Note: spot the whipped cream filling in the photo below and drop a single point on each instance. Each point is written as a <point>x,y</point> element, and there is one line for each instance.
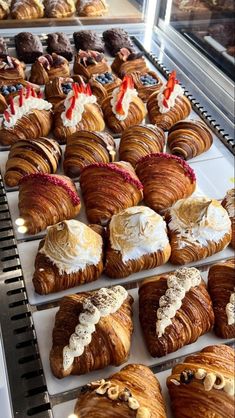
<point>137,231</point>
<point>81,101</point>
<point>177,285</point>
<point>127,99</point>
<point>177,92</point>
<point>72,246</point>
<point>230,310</point>
<point>101,303</point>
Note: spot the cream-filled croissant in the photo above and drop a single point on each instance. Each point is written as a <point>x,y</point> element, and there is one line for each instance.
<point>175,309</point>
<point>47,67</point>
<point>137,241</point>
<point>229,204</point>
<point>198,228</point>
<point>92,330</point>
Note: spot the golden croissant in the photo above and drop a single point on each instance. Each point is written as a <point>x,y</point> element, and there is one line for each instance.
<point>221,285</point>
<point>103,88</point>
<point>198,228</point>
<point>229,204</point>
<point>11,69</point>
<point>92,330</point>
<point>134,391</point>
<point>46,199</point>
<point>57,89</point>
<point>166,179</point>
<point>109,188</point>
<point>84,148</point>
<point>4,9</point>
<point>47,67</point>
<point>140,140</point>
<point>146,83</point>
<point>203,385</point>
<point>169,307</point>
<point>87,63</point>
<point>92,8</point>
<point>127,62</point>
<point>27,9</point>
<point>59,8</point>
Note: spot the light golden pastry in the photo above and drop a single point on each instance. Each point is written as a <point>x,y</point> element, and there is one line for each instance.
<point>56,90</point>
<point>126,62</point>
<point>203,385</point>
<point>166,179</point>
<point>102,85</point>
<point>109,188</point>
<point>92,8</point>
<point>11,69</point>
<point>221,285</point>
<point>134,391</point>
<point>59,8</point>
<point>146,83</point>
<point>198,228</point>
<point>92,330</point>
<point>140,140</point>
<point>123,108</point>
<point>46,199</point>
<point>10,88</point>
<point>175,309</point>
<point>4,9</point>
<point>137,241</point>
<point>229,204</point>
<point>47,67</point>
<point>87,63</point>
<point>27,9</point>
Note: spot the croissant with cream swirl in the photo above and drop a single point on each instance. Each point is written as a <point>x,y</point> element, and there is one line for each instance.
<point>27,9</point>
<point>229,204</point>
<point>47,67</point>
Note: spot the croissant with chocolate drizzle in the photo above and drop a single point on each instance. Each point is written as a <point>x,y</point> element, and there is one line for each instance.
<point>57,89</point>
<point>87,63</point>
<point>46,199</point>
<point>27,9</point>
<point>47,67</point>
<point>146,83</point>
<point>59,8</point>
<point>11,69</point>
<point>203,385</point>
<point>127,62</point>
<point>92,8</point>
<point>229,204</point>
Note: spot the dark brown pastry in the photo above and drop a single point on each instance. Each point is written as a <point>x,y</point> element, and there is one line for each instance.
<point>117,38</point>
<point>59,8</point>
<point>127,62</point>
<point>90,62</point>
<point>57,89</point>
<point>3,48</point>
<point>28,47</point>
<point>47,67</point>
<point>59,43</point>
<point>102,85</point>
<point>88,39</point>
<point>11,88</point>
<point>146,83</point>
<point>11,69</point>
<point>91,8</point>
<point>27,9</point>
<point>229,204</point>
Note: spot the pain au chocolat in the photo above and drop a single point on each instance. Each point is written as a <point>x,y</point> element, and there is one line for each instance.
<point>229,204</point>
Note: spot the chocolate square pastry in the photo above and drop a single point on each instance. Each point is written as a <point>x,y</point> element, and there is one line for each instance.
<point>115,39</point>
<point>59,43</point>
<point>88,39</point>
<point>28,47</point>
<point>3,48</point>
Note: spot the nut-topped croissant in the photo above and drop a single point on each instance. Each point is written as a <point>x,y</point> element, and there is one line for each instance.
<point>229,204</point>
<point>27,9</point>
<point>91,7</point>
<point>109,188</point>
<point>127,62</point>
<point>47,67</point>
<point>140,140</point>
<point>169,307</point>
<point>168,105</point>
<point>203,385</point>
<point>102,85</point>
<point>87,63</point>
<point>198,228</point>
<point>92,330</point>
<point>137,241</point>
<point>84,148</point>
<point>166,179</point>
<point>190,138</point>
<point>134,391</point>
<point>11,69</point>
<point>56,90</point>
<point>221,285</point>
<point>59,8</point>
<point>146,83</point>
<point>46,199</point>
<point>71,254</point>
<point>40,155</point>
<point>10,88</point>
<point>123,108</point>
<point>4,9</point>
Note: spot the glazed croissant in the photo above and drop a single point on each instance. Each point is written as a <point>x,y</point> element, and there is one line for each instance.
<point>57,89</point>
<point>47,67</point>
<point>11,69</point>
<point>134,391</point>
<point>127,62</point>
<point>137,241</point>
<point>146,83</point>
<point>166,179</point>
<point>87,63</point>
<point>109,188</point>
<point>169,307</point>
<point>198,228</point>
<point>140,140</point>
<point>41,155</point>
<point>221,285</point>
<point>46,199</point>
<point>59,8</point>
<point>92,7</point>
<point>27,9</point>
<point>102,85</point>
<point>229,204</point>
<point>190,138</point>
<point>92,330</point>
<point>203,385</point>
<point>84,148</point>
<point>4,9</point>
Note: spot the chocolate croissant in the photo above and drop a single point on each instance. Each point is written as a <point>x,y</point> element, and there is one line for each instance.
<point>190,138</point>
<point>87,63</point>
<point>109,188</point>
<point>127,62</point>
<point>92,330</point>
<point>27,9</point>
<point>134,391</point>
<point>102,85</point>
<point>140,140</point>
<point>229,204</point>
<point>169,307</point>
<point>92,8</point>
<point>59,8</point>
<point>84,148</point>
<point>203,385</point>
<point>4,9</point>
<point>221,285</point>
<point>166,179</point>
<point>198,228</point>
<point>56,90</point>
<point>11,69</point>
<point>46,199</point>
<point>47,67</point>
<point>146,83</point>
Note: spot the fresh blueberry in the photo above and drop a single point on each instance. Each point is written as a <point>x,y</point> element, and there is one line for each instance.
<point>102,81</point>
<point>5,93</point>
<point>12,89</point>
<point>19,86</point>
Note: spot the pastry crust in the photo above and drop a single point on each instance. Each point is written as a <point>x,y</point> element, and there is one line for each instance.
<point>54,91</point>
<point>101,91</point>
<point>47,67</point>
<point>145,92</point>
<point>11,69</point>
<point>27,9</point>
<point>92,8</point>
<point>5,100</point>
<point>127,62</point>
<point>4,9</point>
<point>229,204</point>
<point>82,66</point>
<point>59,8</point>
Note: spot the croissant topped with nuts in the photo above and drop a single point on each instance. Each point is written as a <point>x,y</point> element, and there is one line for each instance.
<point>229,204</point>
<point>47,67</point>
<point>127,62</point>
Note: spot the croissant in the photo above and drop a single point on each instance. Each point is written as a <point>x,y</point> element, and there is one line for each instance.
<point>146,83</point>
<point>169,307</point>
<point>11,88</point>
<point>90,62</point>
<point>84,148</point>
<point>203,385</point>
<point>123,108</point>
<point>27,9</point>
<point>168,105</point>
<point>140,140</point>
<point>92,330</point>
<point>4,9</point>
<point>46,199</point>
<point>102,85</point>
<point>198,228</point>
<point>57,89</point>
<point>126,62</point>
<point>133,391</point>
<point>47,67</point>
<point>229,204</point>
<point>92,8</point>
<point>166,179</point>
<point>221,285</point>
<point>59,8</point>
<point>11,69</point>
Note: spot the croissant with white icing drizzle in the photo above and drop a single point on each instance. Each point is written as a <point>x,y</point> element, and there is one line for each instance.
<point>47,67</point>
<point>27,9</point>
<point>57,89</point>
<point>92,330</point>
<point>134,391</point>
<point>46,199</point>
<point>203,385</point>
<point>198,228</point>
<point>229,204</point>
<point>221,285</point>
<point>87,63</point>
<point>169,307</point>
<point>59,8</point>
<point>92,7</point>
<point>11,69</point>
<point>126,62</point>
<point>108,188</point>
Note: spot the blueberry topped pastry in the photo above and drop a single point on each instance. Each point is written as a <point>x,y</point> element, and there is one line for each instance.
<point>146,83</point>
<point>103,84</point>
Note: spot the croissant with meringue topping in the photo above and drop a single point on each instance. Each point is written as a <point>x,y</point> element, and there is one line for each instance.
<point>47,67</point>
<point>87,63</point>
<point>169,307</point>
<point>59,8</point>
<point>92,8</point>
<point>11,69</point>
<point>27,9</point>
<point>127,62</point>
<point>229,204</point>
<point>203,385</point>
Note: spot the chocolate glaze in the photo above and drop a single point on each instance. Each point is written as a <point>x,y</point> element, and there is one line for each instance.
<point>59,43</point>
<point>117,38</point>
<point>88,39</point>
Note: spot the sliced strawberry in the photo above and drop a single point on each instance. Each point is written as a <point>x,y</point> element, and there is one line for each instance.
<point>7,116</point>
<point>75,90</point>
<point>164,102</point>
<point>127,83</point>
<point>21,97</point>
<point>167,93</point>
<point>28,92</point>
<point>12,105</point>
<point>88,90</point>
<point>40,95</point>
<point>69,112</point>
<point>171,84</point>
<point>33,93</point>
<point>172,74</point>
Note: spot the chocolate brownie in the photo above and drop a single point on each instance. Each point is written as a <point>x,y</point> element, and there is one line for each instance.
<point>88,39</point>
<point>28,47</point>
<point>59,43</point>
<point>3,48</point>
<point>115,39</point>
